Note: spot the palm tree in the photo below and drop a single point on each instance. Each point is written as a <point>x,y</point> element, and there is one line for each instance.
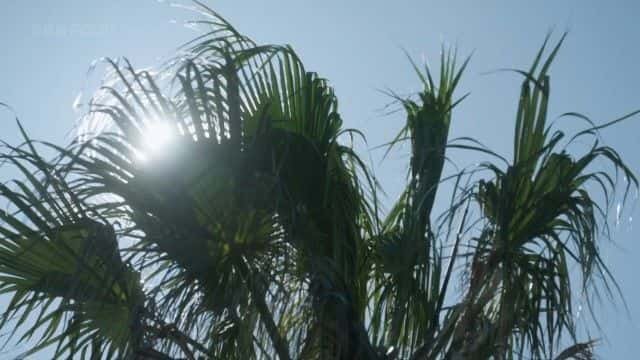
<point>255,232</point>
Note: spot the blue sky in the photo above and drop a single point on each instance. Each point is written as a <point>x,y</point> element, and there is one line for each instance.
<point>48,48</point>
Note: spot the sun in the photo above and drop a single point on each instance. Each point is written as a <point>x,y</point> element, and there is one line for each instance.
<point>157,136</point>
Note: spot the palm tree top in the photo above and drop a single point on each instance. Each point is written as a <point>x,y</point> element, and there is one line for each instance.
<point>215,209</point>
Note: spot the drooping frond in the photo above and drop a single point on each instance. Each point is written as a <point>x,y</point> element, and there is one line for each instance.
<point>61,263</point>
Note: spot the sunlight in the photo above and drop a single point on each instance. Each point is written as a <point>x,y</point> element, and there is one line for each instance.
<point>157,135</point>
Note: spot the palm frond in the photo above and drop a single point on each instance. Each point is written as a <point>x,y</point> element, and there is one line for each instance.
<point>61,261</point>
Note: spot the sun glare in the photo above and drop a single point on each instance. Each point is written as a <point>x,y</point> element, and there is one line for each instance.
<point>156,136</point>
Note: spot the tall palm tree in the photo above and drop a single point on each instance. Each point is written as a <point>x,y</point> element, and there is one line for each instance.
<point>254,232</point>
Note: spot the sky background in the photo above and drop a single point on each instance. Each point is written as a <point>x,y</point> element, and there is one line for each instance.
<point>47,48</point>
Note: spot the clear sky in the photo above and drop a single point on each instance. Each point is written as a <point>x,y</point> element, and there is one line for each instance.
<point>48,46</point>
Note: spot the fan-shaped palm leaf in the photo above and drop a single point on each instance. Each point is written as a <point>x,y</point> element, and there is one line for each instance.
<point>61,261</point>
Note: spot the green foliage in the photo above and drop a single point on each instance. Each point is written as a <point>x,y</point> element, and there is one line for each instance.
<point>254,232</point>
<point>63,269</point>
